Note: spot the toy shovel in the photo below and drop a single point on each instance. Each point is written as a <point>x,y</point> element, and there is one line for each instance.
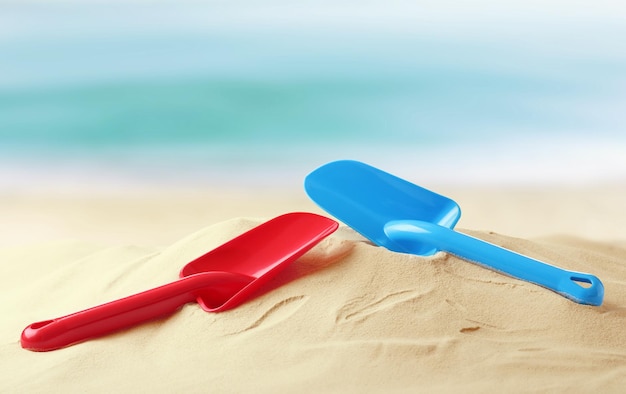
<point>219,280</point>
<point>407,218</point>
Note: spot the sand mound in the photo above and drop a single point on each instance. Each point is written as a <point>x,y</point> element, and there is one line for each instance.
<point>346,317</point>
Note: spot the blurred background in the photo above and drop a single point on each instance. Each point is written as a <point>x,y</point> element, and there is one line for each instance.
<point>115,94</point>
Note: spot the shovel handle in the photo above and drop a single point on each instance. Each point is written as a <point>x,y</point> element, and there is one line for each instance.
<point>123,313</point>
<point>577,286</point>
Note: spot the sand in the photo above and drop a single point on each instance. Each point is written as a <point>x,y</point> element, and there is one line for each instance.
<point>346,317</point>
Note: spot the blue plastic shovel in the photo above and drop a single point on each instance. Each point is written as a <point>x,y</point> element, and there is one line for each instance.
<point>407,218</point>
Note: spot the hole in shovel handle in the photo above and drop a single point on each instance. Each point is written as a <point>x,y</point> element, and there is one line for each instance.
<point>585,283</point>
<point>38,325</point>
<point>583,288</point>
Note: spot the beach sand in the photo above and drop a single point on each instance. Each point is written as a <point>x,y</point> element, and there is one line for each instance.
<point>346,317</point>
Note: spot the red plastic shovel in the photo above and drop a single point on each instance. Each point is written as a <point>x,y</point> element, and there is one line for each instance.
<point>219,280</point>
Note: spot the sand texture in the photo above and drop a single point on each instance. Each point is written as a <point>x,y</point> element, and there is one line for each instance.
<point>346,317</point>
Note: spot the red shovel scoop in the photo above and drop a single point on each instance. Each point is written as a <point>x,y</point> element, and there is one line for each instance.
<point>219,280</point>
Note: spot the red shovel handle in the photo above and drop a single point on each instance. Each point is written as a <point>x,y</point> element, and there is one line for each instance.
<point>126,312</point>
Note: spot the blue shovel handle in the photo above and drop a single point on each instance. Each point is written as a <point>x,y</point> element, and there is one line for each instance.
<point>409,235</point>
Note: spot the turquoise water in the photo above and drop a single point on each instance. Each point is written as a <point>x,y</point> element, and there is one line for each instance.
<point>167,91</point>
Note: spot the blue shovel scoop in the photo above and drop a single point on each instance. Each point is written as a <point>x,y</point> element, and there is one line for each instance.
<point>407,218</point>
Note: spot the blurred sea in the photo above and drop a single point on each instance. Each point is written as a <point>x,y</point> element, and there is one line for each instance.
<point>243,92</point>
